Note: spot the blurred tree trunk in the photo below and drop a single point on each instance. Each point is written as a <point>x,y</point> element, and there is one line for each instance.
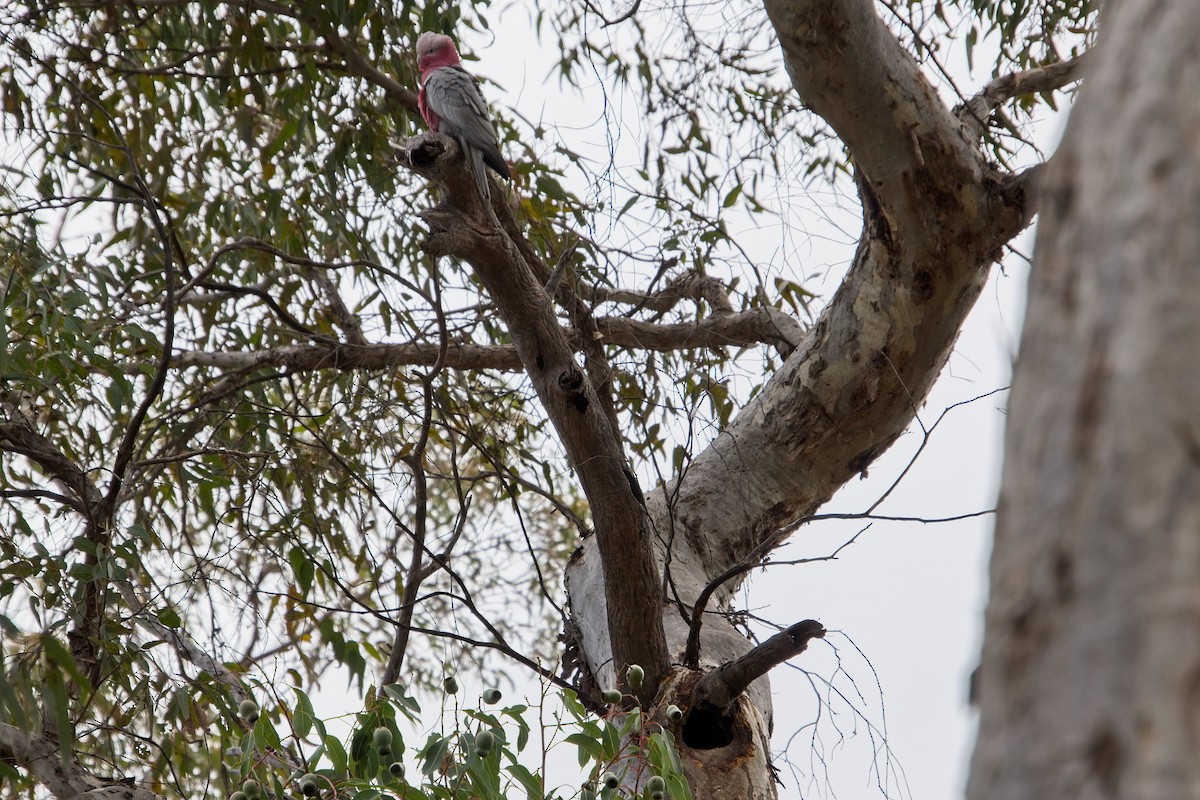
<point>1090,681</point>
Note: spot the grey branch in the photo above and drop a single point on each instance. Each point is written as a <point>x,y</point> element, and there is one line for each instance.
<point>751,327</point>
<point>723,685</point>
<point>1049,78</point>
<point>184,645</point>
<point>18,437</point>
<point>687,286</point>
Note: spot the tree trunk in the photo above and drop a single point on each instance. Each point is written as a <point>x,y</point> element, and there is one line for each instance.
<point>1090,681</point>
<point>935,218</point>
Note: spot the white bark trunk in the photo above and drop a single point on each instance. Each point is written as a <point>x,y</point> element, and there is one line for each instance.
<point>1090,681</point>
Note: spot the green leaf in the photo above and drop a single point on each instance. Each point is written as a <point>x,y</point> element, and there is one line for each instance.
<point>57,704</point>
<point>408,705</point>
<point>589,748</point>
<point>516,713</point>
<point>433,753</point>
<point>531,783</point>
<point>337,754</point>
<point>610,740</point>
<point>170,618</point>
<point>485,774</point>
<point>677,787</point>
<point>61,657</point>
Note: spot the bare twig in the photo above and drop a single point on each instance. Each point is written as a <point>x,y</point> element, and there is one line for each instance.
<point>691,652</point>
<point>416,463</point>
<point>633,9</point>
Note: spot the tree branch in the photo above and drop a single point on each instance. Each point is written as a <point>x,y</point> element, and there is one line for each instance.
<point>1051,77</point>
<point>721,686</point>
<point>462,228</point>
<point>757,558</point>
<point>417,570</point>
<point>43,494</point>
<point>355,357</point>
<point>186,647</point>
<point>763,325</point>
<point>41,756</point>
<point>355,62</point>
<point>17,437</point>
<point>744,328</point>
<point>936,215</point>
<point>935,218</point>
<point>689,285</point>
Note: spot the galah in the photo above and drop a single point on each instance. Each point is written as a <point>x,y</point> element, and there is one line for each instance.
<point>451,103</point>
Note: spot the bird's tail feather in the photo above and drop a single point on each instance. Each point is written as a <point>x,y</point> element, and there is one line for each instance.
<point>478,168</point>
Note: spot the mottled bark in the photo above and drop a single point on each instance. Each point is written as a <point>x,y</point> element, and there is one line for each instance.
<point>1090,680</point>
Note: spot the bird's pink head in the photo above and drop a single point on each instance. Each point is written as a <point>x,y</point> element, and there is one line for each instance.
<point>435,50</point>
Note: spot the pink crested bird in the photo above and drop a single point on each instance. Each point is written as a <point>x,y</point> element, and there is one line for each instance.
<point>451,103</point>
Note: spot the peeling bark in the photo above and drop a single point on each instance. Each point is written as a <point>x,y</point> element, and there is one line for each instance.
<point>1090,680</point>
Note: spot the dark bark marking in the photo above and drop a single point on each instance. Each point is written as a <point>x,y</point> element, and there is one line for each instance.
<point>873,216</point>
<point>570,379</point>
<point>1028,629</point>
<point>863,460</point>
<point>1059,200</point>
<point>818,366</point>
<point>867,457</point>
<point>923,286</point>
<point>635,487</point>
<point>1063,568</point>
<point>1191,701</point>
<point>1104,756</point>
<point>426,153</point>
<point>1162,169</point>
<point>1189,441</point>
<point>1090,402</point>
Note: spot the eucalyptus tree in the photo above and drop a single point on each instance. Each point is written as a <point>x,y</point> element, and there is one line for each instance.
<point>284,394</point>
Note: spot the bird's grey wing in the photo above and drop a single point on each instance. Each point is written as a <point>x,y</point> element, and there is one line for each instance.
<point>454,96</point>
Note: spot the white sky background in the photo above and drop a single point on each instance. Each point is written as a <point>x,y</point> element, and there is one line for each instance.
<point>911,596</point>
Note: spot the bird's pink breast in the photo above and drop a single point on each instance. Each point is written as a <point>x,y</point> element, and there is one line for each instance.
<point>427,113</point>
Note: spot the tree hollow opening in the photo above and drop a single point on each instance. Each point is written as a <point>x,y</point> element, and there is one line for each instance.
<point>707,728</point>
